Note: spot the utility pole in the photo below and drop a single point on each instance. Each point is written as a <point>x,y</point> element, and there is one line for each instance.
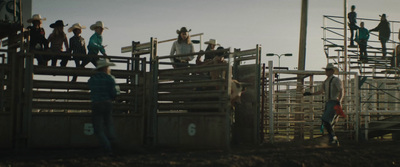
<point>299,133</point>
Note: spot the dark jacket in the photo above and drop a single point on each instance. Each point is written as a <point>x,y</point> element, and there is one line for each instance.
<point>37,39</point>
<point>352,20</point>
<point>384,30</point>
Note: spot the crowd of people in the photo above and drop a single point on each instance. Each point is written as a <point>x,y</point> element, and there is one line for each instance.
<point>362,34</point>
<point>103,88</point>
<point>57,39</point>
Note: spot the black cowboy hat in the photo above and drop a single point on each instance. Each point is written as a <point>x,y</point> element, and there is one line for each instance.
<point>183,29</point>
<point>58,23</point>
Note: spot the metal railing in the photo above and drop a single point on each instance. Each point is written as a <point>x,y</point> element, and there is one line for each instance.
<point>282,106</point>
<point>375,66</point>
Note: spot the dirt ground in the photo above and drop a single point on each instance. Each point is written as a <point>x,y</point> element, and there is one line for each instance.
<point>311,153</point>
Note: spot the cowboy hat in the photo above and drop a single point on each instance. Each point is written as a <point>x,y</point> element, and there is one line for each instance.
<point>212,42</point>
<point>35,17</point>
<point>58,23</point>
<point>330,66</point>
<point>183,29</point>
<point>103,63</point>
<point>97,24</point>
<point>76,26</point>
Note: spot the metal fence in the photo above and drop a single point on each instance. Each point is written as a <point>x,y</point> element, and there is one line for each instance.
<point>289,116</point>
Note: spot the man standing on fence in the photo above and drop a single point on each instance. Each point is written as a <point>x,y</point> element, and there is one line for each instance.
<point>103,91</point>
<point>333,89</point>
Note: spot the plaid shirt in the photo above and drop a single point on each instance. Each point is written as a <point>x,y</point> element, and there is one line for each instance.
<point>102,87</point>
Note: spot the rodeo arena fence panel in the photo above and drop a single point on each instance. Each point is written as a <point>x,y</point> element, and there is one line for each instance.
<point>196,106</point>
<point>287,115</point>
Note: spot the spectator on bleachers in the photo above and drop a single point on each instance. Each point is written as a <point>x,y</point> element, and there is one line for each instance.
<point>352,23</point>
<point>362,37</point>
<point>384,32</point>
<point>77,45</point>
<point>56,39</point>
<point>95,43</point>
<point>38,41</point>
<point>182,46</point>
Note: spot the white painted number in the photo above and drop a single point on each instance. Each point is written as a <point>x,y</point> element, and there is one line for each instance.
<point>88,129</point>
<point>192,129</point>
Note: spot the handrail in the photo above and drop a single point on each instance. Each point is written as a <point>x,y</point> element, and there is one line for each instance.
<point>174,39</point>
<point>195,53</point>
<point>82,55</point>
<point>125,49</point>
<point>358,18</point>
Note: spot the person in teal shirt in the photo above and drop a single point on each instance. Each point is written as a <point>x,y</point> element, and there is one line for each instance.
<point>362,36</point>
<point>103,90</point>
<point>95,43</point>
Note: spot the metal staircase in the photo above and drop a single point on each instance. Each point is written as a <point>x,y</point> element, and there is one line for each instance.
<point>379,82</point>
<point>376,66</point>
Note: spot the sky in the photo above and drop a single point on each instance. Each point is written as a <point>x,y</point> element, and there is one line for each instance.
<point>273,24</point>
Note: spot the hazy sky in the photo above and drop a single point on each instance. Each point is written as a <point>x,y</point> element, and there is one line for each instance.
<point>273,24</point>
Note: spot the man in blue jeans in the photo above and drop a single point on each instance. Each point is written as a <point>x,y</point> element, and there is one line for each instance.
<point>333,89</point>
<point>103,91</point>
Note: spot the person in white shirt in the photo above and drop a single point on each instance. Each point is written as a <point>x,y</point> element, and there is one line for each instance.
<point>333,89</point>
<point>182,46</point>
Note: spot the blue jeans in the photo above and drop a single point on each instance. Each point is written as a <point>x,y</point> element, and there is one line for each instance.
<point>329,117</point>
<point>103,123</point>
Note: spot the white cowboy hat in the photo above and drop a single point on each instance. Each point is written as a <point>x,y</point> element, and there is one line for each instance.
<point>35,17</point>
<point>98,24</point>
<point>103,63</point>
<point>76,26</point>
<point>331,66</point>
<point>212,41</point>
